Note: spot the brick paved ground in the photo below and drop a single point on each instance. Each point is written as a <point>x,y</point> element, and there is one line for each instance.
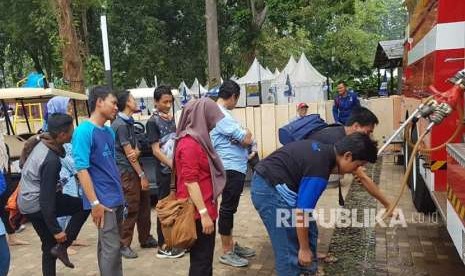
<point>424,249</point>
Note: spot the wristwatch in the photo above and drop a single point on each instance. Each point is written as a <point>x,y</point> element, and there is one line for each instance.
<point>142,174</point>
<point>94,203</point>
<point>203,211</point>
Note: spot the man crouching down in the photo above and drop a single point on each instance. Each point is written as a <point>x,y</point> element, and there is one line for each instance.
<point>40,195</point>
<point>291,180</point>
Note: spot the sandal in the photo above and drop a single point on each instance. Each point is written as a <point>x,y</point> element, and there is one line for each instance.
<point>329,259</point>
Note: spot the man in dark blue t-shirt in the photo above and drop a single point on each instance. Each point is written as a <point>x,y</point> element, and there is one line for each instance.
<point>292,180</point>
<point>94,157</point>
<point>361,120</point>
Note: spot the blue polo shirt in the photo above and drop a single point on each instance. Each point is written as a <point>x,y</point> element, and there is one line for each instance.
<point>343,107</point>
<point>226,138</point>
<point>94,150</point>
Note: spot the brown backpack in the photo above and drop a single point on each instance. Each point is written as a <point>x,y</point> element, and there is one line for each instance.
<point>177,218</point>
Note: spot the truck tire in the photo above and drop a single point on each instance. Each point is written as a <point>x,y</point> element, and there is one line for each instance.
<point>420,194</point>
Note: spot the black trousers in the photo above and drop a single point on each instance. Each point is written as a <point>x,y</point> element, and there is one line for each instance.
<point>65,206</point>
<point>230,201</point>
<point>164,182</point>
<point>201,254</point>
<point>4,215</point>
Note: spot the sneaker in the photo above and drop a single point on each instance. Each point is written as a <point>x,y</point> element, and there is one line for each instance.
<point>233,259</point>
<point>170,253</point>
<point>150,243</point>
<point>242,251</point>
<point>128,253</point>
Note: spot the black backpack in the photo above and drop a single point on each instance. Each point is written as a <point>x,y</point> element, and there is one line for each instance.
<point>141,136</point>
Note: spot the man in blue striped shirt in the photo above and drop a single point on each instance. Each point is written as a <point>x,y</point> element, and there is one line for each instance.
<point>231,142</point>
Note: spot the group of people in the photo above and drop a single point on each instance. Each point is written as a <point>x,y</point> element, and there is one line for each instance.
<point>96,169</point>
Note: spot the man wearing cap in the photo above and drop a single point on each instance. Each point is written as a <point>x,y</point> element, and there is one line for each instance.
<point>302,109</point>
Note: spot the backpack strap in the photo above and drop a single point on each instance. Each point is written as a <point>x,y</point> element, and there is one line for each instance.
<point>341,198</point>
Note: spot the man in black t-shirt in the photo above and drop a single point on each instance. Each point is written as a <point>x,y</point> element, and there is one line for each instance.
<point>361,120</point>
<point>288,183</point>
<point>161,131</point>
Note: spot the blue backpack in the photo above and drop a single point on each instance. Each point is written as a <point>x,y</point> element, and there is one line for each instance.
<point>35,80</point>
<point>301,128</point>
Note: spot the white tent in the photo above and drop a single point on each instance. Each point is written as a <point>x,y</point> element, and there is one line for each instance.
<point>197,89</point>
<point>307,82</point>
<point>185,95</point>
<point>144,96</point>
<point>288,69</point>
<point>279,84</point>
<point>254,75</point>
<point>290,66</point>
<point>268,71</point>
<point>142,93</point>
<point>276,72</point>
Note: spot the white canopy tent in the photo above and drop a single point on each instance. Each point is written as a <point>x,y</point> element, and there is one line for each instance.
<point>279,84</point>
<point>144,96</point>
<point>276,72</point>
<point>197,89</point>
<point>184,92</point>
<point>307,82</point>
<point>249,82</point>
<point>290,66</point>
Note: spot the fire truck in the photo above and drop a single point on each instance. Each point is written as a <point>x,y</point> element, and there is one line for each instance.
<point>435,51</point>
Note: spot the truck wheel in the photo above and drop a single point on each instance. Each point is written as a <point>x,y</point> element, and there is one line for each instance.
<point>420,193</point>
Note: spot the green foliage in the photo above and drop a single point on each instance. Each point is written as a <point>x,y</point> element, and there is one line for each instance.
<point>94,71</point>
<point>30,32</point>
<point>167,38</point>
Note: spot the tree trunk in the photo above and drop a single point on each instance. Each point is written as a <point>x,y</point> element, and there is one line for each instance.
<point>85,32</point>
<point>211,16</point>
<point>72,62</point>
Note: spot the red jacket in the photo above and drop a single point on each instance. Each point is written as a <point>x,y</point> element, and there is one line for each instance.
<point>192,166</point>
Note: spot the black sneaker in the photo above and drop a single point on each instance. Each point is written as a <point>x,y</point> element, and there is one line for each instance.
<point>128,253</point>
<point>170,253</point>
<point>150,243</point>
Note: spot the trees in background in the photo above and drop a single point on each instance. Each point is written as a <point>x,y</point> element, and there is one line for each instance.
<point>168,38</point>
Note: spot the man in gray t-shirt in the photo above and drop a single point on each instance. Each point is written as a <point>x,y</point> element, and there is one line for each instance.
<point>135,183</point>
<point>123,126</point>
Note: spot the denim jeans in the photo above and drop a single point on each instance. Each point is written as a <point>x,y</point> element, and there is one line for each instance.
<point>284,239</point>
<point>4,256</point>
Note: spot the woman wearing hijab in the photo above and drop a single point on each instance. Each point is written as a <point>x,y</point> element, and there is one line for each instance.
<point>57,104</point>
<point>200,176</point>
